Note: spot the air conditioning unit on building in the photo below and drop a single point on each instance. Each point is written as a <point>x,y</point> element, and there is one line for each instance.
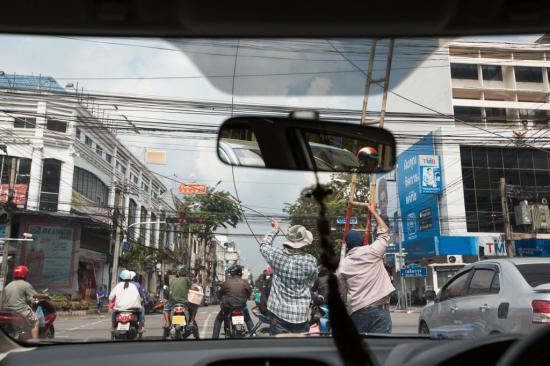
<point>541,216</point>
<point>453,259</point>
<point>523,213</point>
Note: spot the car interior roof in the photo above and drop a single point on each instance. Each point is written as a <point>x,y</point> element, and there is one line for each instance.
<point>245,18</point>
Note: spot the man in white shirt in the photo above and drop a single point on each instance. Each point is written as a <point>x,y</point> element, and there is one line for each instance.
<point>126,296</point>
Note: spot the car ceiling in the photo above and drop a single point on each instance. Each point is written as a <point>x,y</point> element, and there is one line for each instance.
<point>282,18</point>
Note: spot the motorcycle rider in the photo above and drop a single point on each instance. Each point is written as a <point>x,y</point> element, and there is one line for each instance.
<point>234,294</point>
<point>135,281</point>
<point>126,297</point>
<point>17,295</point>
<point>179,289</point>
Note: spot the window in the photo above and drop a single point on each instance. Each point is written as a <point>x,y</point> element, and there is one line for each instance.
<point>495,114</point>
<point>99,150</point>
<point>464,71</point>
<point>132,218</point>
<point>536,116</point>
<point>467,114</point>
<point>121,168</point>
<point>24,122</point>
<point>455,287</point>
<point>535,274</point>
<point>90,186</point>
<point>109,158</point>
<point>528,74</point>
<point>88,141</point>
<point>78,134</point>
<point>49,192</point>
<point>153,231</point>
<point>55,125</point>
<point>143,228</point>
<point>482,169</point>
<point>482,282</point>
<point>491,72</point>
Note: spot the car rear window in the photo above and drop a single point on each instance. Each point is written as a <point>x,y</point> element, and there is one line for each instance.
<point>535,274</point>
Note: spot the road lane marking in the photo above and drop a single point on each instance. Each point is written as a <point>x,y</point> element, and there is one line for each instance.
<point>82,326</point>
<point>205,325</point>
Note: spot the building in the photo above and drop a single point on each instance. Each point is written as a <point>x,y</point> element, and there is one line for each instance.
<point>71,175</point>
<point>475,113</point>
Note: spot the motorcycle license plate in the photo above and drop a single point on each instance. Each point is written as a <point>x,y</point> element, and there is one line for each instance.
<point>178,320</point>
<point>123,326</point>
<point>237,320</point>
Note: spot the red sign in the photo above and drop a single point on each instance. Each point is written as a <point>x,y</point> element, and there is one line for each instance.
<point>20,192</point>
<point>193,188</point>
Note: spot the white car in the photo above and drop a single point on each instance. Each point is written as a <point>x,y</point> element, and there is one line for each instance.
<point>509,295</point>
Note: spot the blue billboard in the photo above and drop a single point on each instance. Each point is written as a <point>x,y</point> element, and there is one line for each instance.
<point>419,211</point>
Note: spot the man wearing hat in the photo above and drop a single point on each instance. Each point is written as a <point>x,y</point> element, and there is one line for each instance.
<point>294,273</point>
<point>364,282</point>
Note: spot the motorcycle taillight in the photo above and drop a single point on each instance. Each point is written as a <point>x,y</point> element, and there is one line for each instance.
<point>237,312</point>
<point>125,318</point>
<point>179,309</point>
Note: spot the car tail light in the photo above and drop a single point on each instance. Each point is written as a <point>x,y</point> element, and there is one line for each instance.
<point>237,312</point>
<point>125,318</point>
<point>541,311</point>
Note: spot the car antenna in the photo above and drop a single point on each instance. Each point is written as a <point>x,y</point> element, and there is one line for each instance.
<point>350,345</point>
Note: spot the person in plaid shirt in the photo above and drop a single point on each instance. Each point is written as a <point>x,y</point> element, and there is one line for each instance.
<point>294,273</point>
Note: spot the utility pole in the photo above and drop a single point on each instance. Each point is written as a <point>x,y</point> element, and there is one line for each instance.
<point>7,234</point>
<point>118,231</point>
<point>509,242</point>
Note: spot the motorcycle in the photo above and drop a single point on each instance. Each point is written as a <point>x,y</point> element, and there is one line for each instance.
<point>127,325</point>
<point>17,326</point>
<point>179,325</point>
<point>319,323</point>
<point>262,326</point>
<point>234,324</point>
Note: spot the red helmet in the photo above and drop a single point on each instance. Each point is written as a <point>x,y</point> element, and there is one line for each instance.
<point>269,270</point>
<point>20,272</point>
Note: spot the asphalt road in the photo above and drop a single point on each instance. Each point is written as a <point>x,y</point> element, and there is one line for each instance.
<point>97,327</point>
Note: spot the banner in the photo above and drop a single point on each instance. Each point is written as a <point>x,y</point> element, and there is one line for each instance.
<point>20,191</point>
<point>50,256</point>
<point>430,174</point>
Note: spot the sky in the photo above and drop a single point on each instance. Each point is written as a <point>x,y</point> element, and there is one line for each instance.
<point>80,60</point>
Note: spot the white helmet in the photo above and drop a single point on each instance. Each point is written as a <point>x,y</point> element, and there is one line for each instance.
<point>125,275</point>
<point>132,275</point>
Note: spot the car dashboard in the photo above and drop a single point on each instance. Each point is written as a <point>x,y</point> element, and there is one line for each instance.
<point>318,351</point>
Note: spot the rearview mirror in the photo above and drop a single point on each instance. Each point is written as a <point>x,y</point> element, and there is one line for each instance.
<point>301,144</point>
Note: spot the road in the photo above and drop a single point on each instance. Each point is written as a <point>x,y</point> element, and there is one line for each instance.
<point>97,327</point>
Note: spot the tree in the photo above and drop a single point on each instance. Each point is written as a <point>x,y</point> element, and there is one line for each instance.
<point>214,209</point>
<point>305,210</point>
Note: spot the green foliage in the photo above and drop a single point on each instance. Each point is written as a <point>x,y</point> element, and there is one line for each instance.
<point>216,208</point>
<point>305,210</point>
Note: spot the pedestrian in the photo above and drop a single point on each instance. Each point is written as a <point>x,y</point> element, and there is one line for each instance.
<point>100,297</point>
<point>294,272</point>
<point>364,282</point>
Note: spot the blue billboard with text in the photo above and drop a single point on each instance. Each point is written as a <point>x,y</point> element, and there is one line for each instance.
<point>419,209</point>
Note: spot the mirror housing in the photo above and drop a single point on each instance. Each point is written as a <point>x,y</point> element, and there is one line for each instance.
<point>306,145</point>
<point>430,295</point>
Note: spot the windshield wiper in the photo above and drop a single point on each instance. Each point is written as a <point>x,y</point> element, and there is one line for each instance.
<point>350,345</point>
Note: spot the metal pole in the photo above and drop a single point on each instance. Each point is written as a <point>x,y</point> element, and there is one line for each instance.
<point>372,195</point>
<point>118,232</point>
<point>7,234</point>
<point>510,245</point>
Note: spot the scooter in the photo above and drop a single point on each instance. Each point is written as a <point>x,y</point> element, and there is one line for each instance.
<point>319,323</point>
<point>179,325</point>
<point>234,324</point>
<point>262,326</point>
<point>127,325</point>
<point>17,326</point>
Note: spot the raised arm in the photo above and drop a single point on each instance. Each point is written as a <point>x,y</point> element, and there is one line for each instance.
<point>380,244</point>
<point>266,247</point>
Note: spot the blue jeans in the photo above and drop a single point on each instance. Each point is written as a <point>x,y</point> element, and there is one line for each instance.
<point>375,319</point>
<point>278,326</point>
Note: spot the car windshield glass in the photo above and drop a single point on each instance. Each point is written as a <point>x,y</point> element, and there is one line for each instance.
<point>535,274</point>
<point>249,157</point>
<point>114,200</point>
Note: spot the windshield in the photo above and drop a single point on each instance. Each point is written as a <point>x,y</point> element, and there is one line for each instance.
<point>118,216</point>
